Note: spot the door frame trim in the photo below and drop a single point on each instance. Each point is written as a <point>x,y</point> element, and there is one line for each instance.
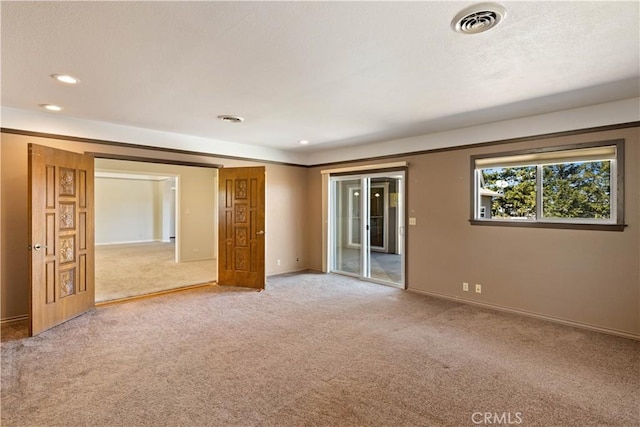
<point>327,207</point>
<point>178,204</point>
<point>328,222</point>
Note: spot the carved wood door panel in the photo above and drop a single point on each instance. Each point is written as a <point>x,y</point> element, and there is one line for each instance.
<point>61,236</point>
<point>241,227</point>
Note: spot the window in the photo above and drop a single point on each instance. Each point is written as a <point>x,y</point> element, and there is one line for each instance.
<point>574,187</point>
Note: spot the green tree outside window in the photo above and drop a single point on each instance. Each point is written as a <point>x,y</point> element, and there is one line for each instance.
<point>569,190</point>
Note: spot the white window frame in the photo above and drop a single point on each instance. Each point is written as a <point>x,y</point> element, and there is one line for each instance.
<point>612,151</point>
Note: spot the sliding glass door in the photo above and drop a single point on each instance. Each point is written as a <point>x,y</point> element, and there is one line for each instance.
<point>348,230</point>
<point>367,224</point>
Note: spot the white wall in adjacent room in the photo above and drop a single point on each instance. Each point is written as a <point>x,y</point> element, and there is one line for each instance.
<point>126,210</point>
<point>194,225</point>
<point>168,189</point>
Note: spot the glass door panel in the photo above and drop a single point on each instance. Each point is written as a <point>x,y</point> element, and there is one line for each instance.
<point>347,230</point>
<point>386,222</point>
<point>368,226</point>
<point>355,221</point>
<point>378,214</point>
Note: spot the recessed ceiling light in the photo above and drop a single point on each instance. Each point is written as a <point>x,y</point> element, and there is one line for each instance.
<point>303,142</point>
<point>65,78</point>
<point>51,107</point>
<point>231,119</point>
<point>478,18</point>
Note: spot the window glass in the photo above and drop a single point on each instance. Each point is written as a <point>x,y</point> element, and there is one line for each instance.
<point>516,192</point>
<point>573,185</point>
<point>577,190</point>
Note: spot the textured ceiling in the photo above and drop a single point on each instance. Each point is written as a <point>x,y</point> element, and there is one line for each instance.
<point>334,73</point>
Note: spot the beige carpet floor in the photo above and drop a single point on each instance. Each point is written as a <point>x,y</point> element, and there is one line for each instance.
<point>141,268</point>
<point>314,350</point>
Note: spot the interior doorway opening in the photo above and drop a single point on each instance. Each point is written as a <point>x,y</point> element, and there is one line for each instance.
<point>147,238</point>
<point>367,226</point>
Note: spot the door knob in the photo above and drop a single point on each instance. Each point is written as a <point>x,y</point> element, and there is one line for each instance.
<point>260,232</point>
<point>38,246</point>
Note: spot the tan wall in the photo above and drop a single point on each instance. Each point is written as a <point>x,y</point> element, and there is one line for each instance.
<point>1,225</point>
<point>13,251</point>
<point>158,194</point>
<point>588,277</point>
<point>285,211</point>
<point>287,221</point>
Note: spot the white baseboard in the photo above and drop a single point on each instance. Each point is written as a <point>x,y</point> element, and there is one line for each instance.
<point>559,320</point>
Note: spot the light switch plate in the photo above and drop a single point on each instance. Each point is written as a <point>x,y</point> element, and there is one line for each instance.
<point>412,221</point>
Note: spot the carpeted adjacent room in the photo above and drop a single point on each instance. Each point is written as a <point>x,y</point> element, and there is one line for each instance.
<point>313,349</point>
<point>134,269</point>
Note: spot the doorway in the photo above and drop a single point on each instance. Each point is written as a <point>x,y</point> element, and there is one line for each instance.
<point>367,226</point>
<point>62,228</point>
<point>155,227</point>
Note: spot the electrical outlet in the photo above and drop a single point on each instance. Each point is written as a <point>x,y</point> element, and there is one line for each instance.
<point>278,262</point>
<point>465,286</point>
<point>478,289</point>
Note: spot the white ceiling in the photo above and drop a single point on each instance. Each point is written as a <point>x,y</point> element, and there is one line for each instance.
<point>335,73</point>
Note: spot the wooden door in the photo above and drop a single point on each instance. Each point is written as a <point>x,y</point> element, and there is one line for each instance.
<point>241,227</point>
<point>61,236</point>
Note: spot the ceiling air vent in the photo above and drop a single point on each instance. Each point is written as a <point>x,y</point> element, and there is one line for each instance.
<point>478,18</point>
<point>231,119</point>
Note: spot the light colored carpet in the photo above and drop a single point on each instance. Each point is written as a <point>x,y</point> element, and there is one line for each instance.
<point>141,268</point>
<point>314,350</point>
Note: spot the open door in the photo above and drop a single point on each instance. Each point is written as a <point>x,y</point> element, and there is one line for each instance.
<point>241,227</point>
<point>61,236</point>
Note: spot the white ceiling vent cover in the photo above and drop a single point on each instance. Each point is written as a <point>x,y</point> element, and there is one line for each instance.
<point>478,18</point>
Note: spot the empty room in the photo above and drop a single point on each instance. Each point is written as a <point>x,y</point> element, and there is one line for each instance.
<point>227,213</point>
